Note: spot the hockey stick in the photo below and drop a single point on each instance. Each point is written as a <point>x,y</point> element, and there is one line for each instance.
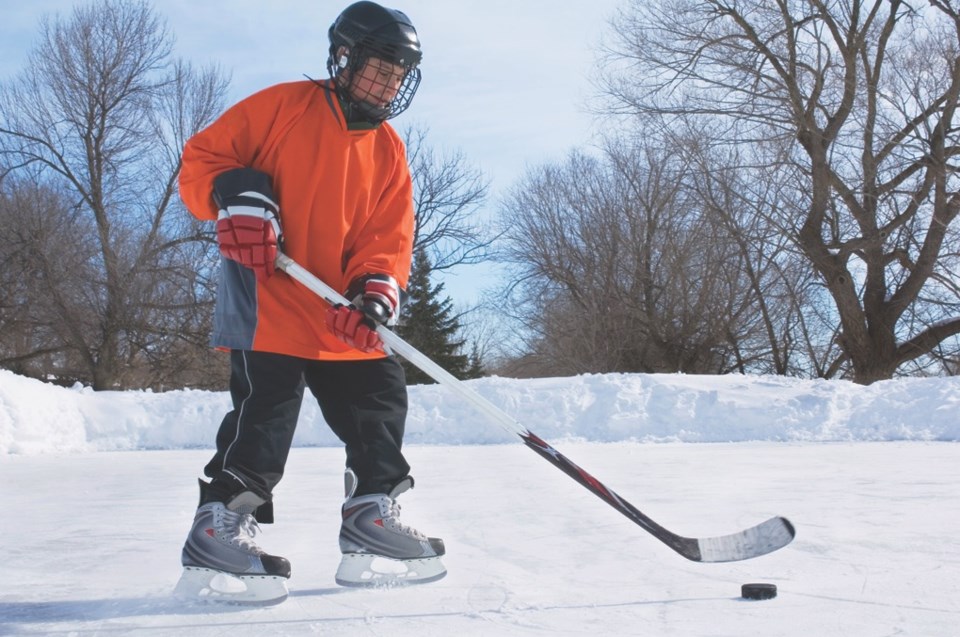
<point>761,539</point>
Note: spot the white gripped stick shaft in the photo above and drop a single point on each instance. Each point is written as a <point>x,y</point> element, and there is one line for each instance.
<point>761,539</point>
<point>400,346</point>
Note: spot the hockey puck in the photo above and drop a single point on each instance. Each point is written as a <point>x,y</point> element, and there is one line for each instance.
<point>758,591</point>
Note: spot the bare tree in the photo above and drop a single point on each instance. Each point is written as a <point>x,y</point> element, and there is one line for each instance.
<point>99,116</point>
<point>619,265</point>
<point>38,278</point>
<point>786,337</point>
<point>864,94</point>
<point>448,193</point>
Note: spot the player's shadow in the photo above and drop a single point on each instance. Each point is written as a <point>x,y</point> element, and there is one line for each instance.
<point>101,609</point>
<point>14,614</point>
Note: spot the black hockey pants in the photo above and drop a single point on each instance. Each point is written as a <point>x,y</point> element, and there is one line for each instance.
<point>364,402</point>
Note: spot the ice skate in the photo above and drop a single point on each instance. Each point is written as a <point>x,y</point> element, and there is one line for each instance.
<point>221,561</point>
<point>377,549</point>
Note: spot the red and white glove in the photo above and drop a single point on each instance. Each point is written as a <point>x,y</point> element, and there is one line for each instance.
<point>248,227</point>
<point>376,301</point>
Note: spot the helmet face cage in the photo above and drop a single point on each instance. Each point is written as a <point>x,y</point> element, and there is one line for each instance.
<point>368,33</point>
<point>348,71</point>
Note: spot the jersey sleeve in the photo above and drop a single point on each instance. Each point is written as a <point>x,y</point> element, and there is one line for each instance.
<point>232,141</point>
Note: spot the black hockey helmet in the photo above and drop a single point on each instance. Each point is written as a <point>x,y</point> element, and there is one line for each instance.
<point>367,30</point>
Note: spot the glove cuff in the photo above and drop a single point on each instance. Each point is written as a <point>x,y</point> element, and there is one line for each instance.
<point>245,191</point>
<point>246,182</point>
<point>378,295</point>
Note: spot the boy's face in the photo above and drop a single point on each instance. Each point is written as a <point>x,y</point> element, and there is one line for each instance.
<point>377,83</point>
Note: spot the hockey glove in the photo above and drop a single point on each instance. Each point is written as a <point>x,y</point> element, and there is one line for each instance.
<point>248,227</point>
<point>376,301</point>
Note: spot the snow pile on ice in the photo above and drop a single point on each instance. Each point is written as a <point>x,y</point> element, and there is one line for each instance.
<point>36,417</point>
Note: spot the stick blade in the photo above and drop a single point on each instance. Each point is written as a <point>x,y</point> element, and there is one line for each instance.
<point>758,540</point>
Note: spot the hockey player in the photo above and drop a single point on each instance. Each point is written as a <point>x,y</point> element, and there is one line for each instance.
<point>313,169</point>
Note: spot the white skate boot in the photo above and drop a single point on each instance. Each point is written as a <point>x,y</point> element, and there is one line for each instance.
<point>377,549</point>
<point>221,561</point>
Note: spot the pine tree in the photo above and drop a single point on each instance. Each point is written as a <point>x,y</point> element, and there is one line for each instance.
<point>427,323</point>
<point>476,364</point>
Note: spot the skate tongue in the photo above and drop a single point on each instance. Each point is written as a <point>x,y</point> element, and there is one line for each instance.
<point>404,485</point>
<point>350,482</point>
<point>246,502</point>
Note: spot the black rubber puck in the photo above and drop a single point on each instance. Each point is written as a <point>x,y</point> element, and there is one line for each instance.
<point>758,591</point>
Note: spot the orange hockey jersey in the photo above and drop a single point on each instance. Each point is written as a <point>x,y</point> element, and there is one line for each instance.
<point>346,209</point>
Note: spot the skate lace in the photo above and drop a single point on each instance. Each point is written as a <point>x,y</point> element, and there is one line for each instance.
<point>241,528</point>
<point>393,513</point>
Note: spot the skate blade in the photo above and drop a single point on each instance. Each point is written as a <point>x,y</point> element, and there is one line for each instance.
<point>207,584</point>
<point>364,569</point>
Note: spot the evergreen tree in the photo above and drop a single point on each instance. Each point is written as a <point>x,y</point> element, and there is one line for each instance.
<point>427,323</point>
<point>475,370</point>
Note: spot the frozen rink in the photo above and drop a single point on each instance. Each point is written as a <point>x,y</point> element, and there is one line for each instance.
<point>93,536</point>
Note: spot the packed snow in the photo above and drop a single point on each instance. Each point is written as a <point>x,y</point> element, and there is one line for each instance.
<point>100,487</point>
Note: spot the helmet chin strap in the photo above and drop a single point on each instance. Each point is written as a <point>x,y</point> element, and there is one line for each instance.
<point>367,112</point>
<point>374,114</point>
<point>358,108</point>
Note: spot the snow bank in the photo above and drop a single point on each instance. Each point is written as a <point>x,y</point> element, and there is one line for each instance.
<point>39,418</point>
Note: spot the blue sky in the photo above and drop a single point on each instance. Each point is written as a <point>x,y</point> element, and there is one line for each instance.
<point>506,82</point>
